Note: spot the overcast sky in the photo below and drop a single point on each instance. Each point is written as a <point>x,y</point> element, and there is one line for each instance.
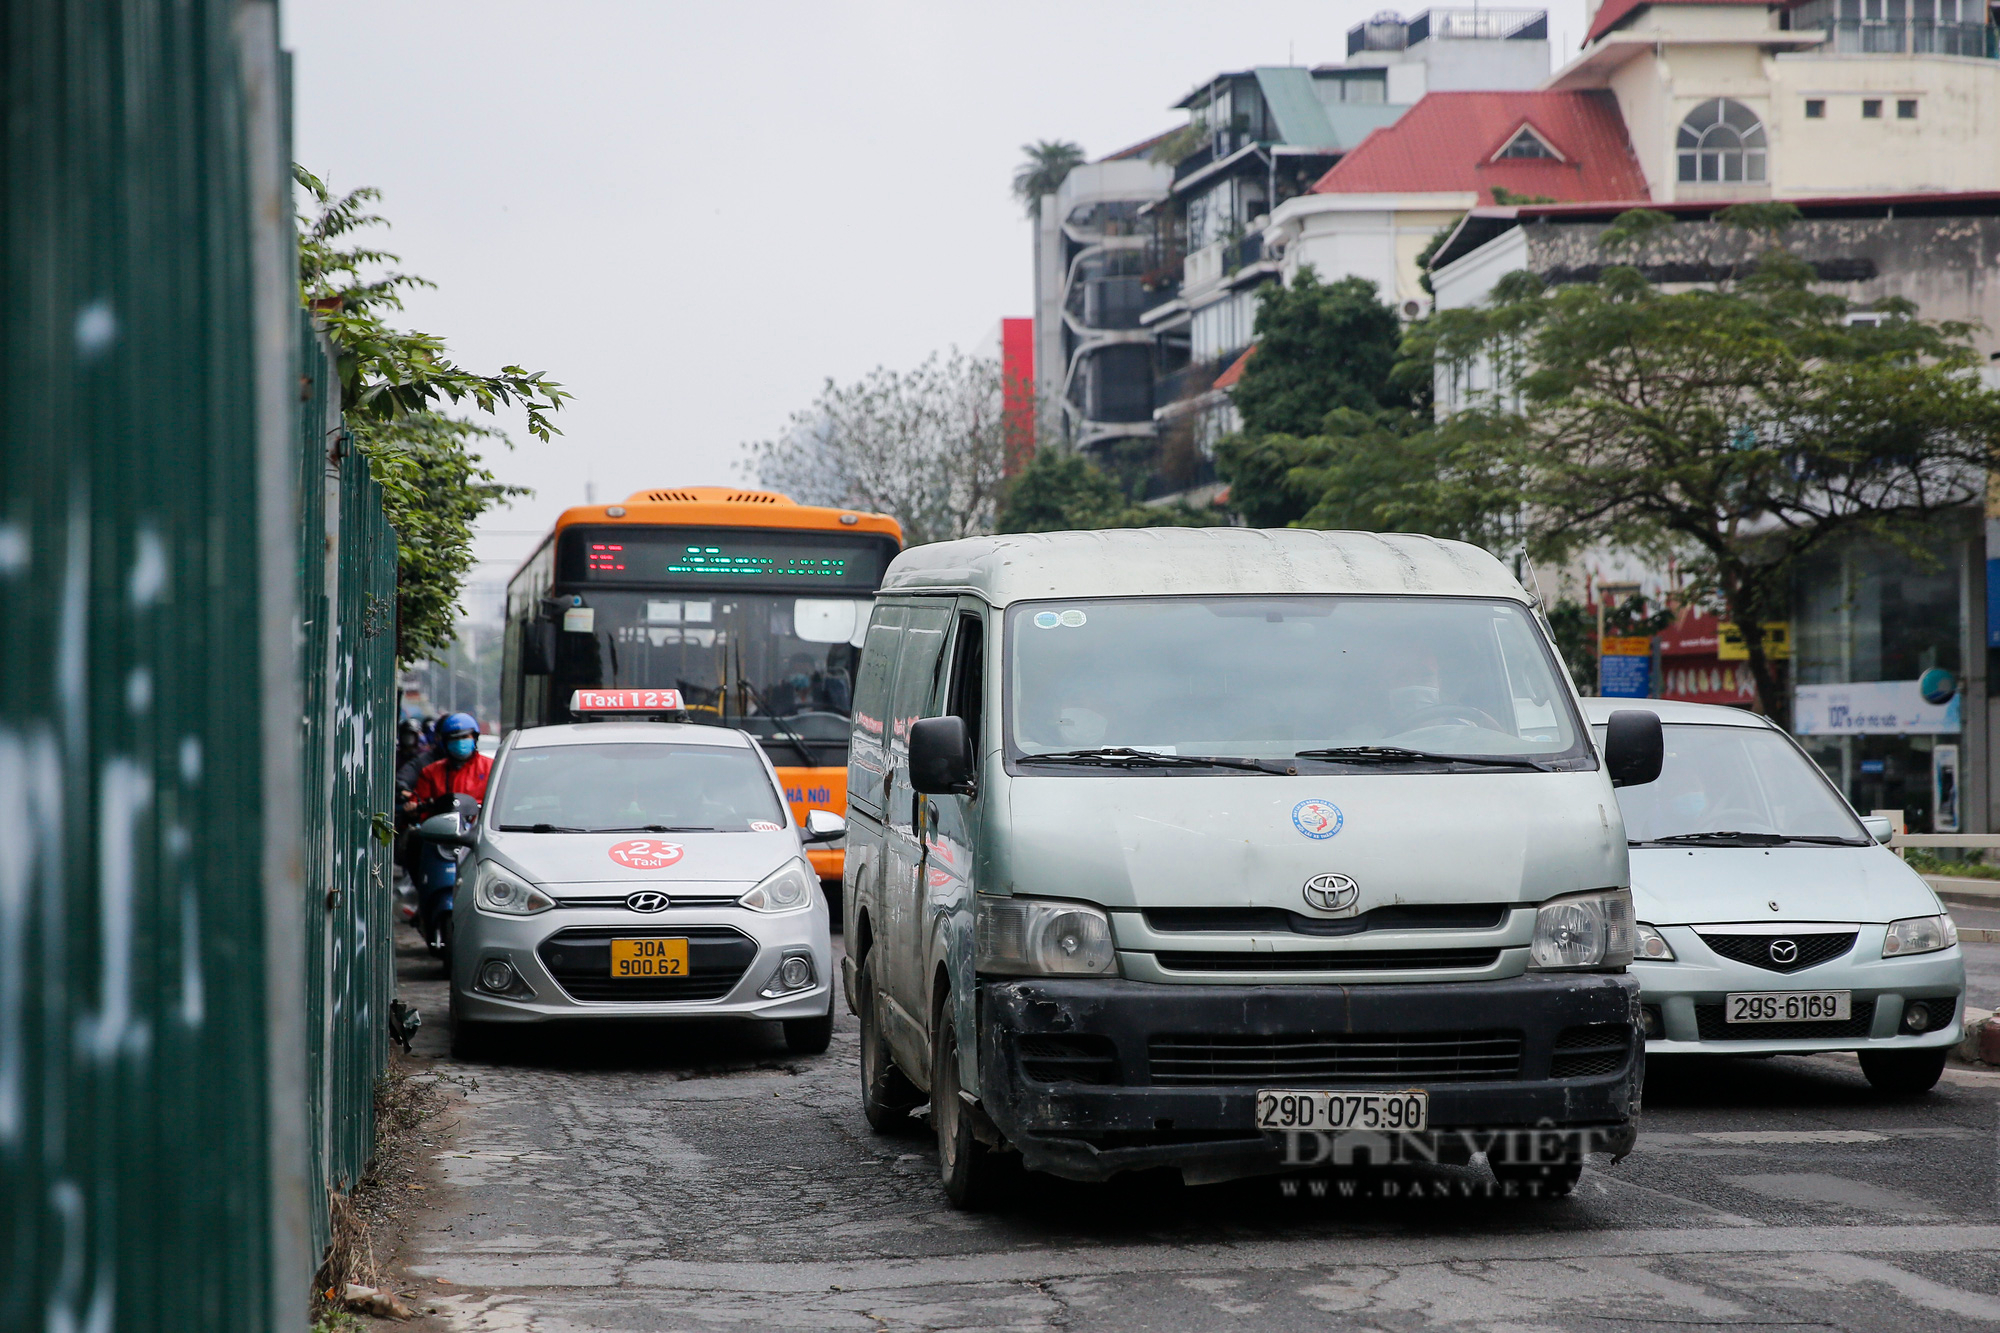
<point>692,214</point>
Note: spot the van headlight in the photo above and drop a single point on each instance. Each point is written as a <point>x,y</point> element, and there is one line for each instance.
<point>1033,937</point>
<point>503,893</point>
<point>1919,934</point>
<point>1583,930</point>
<point>787,889</point>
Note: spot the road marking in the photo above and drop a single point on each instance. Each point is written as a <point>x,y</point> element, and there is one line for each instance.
<point>1815,1187</point>
<point>1790,1136</point>
<point>1318,1253</point>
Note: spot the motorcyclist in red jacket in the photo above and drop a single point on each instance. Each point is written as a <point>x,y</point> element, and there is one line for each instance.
<point>462,771</point>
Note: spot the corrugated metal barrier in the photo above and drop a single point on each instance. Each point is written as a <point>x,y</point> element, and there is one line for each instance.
<point>196,588</point>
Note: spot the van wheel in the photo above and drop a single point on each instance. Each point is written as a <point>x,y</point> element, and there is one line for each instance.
<point>810,1036</point>
<point>1539,1180</point>
<point>975,1176</point>
<point>887,1097</point>
<point>1904,1073</point>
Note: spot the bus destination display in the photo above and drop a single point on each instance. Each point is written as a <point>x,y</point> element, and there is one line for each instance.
<point>691,557</point>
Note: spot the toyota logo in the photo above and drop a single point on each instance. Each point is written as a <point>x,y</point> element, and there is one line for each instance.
<point>1784,951</point>
<point>1332,893</point>
<point>648,900</point>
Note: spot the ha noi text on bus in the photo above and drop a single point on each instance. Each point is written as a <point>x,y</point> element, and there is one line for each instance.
<point>750,605</point>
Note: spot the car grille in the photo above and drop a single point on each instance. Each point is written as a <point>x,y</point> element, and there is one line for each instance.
<point>1069,1059</point>
<point>1710,1025</point>
<point>1276,920</point>
<point>1352,960</point>
<point>616,901</point>
<point>1591,1052</point>
<point>1301,1060</point>
<point>580,960</point>
<point>1756,949</point>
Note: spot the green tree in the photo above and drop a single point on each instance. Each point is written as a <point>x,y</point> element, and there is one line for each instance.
<point>1740,426</point>
<point>1389,470</point>
<point>1045,164</point>
<point>394,385</point>
<point>1062,491</point>
<point>1320,345</point>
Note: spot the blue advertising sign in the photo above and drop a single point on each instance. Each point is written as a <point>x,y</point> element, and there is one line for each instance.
<point>1621,677</point>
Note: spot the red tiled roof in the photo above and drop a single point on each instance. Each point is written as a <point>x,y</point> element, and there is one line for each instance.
<point>1613,12</point>
<point>1229,378</point>
<point>1447,141</point>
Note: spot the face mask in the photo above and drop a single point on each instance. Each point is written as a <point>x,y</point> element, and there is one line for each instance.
<point>461,747</point>
<point>800,682</point>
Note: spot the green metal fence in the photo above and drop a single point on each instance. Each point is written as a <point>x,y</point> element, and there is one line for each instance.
<point>195,690</point>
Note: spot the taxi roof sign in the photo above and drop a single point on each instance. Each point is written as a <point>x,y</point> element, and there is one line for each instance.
<point>626,701</point>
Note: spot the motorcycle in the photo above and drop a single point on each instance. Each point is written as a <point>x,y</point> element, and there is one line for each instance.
<point>437,860</point>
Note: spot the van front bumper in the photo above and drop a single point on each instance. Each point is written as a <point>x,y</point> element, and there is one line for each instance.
<point>1088,1078</point>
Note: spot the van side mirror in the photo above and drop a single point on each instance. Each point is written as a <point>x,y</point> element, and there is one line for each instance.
<point>941,759</point>
<point>1634,747</point>
<point>1879,827</point>
<point>824,826</point>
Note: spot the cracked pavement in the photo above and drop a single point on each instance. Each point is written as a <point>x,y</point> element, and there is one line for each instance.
<point>705,1179</point>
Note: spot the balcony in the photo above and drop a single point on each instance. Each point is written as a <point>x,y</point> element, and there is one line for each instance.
<point>1387,33</point>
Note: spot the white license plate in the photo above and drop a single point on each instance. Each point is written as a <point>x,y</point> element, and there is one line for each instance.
<point>1788,1006</point>
<point>1281,1110</point>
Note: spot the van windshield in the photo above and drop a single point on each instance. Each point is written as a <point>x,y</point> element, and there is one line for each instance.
<point>1731,785</point>
<point>634,787</point>
<point>1397,680</point>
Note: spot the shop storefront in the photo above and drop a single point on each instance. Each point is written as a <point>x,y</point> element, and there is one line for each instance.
<point>1879,674</point>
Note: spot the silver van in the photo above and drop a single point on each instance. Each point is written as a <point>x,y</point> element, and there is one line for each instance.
<point>1235,852</point>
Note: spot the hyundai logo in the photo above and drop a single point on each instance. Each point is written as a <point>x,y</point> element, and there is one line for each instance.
<point>1332,893</point>
<point>1784,951</point>
<point>648,900</point>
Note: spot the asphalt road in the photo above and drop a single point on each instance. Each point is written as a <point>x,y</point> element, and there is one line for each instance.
<point>705,1179</point>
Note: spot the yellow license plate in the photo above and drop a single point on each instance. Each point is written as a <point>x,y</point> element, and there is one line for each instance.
<point>634,959</point>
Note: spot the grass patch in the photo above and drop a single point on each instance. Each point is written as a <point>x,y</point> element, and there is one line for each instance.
<point>1927,861</point>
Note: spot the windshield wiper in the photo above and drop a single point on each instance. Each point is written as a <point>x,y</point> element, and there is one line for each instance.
<point>1396,754</point>
<point>540,828</point>
<point>1746,839</point>
<point>1120,756</point>
<point>656,828</point>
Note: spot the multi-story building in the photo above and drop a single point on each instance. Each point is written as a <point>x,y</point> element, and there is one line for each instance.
<point>1256,138</point>
<point>1093,361</point>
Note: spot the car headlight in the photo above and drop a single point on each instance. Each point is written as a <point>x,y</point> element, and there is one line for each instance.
<point>1033,937</point>
<point>1649,946</point>
<point>1583,930</point>
<point>787,889</point>
<point>501,892</point>
<point>1919,934</point>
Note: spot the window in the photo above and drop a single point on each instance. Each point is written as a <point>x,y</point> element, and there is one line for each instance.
<point>1722,141</point>
<point>1527,143</point>
<point>1871,109</point>
<point>1815,108</point>
<point>1906,109</point>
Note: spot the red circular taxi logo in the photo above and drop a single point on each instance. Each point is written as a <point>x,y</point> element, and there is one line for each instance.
<point>646,854</point>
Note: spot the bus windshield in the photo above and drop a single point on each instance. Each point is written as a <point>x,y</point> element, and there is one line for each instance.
<point>780,667</point>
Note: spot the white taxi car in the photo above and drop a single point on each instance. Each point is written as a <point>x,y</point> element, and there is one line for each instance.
<point>637,870</point>
<point>1770,920</point>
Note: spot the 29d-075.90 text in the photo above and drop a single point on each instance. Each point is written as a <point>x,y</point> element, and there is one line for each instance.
<point>1282,1110</point>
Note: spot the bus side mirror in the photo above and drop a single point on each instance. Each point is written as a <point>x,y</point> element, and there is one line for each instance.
<point>1634,747</point>
<point>940,757</point>
<point>538,648</point>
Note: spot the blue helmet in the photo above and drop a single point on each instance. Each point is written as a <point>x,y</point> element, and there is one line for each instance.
<point>458,724</point>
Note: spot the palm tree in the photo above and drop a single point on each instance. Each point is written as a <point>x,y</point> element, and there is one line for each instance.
<point>1047,162</point>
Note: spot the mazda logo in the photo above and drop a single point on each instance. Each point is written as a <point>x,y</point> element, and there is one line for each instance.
<point>648,900</point>
<point>1332,893</point>
<point>1784,951</point>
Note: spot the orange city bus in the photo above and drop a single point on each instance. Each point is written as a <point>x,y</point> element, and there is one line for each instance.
<point>751,605</point>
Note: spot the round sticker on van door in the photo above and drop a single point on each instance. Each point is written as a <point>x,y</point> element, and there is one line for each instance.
<point>646,854</point>
<point>1318,820</point>
<point>1071,619</point>
<point>1047,620</point>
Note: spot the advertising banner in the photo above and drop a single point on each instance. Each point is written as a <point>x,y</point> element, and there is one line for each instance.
<point>1875,708</point>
